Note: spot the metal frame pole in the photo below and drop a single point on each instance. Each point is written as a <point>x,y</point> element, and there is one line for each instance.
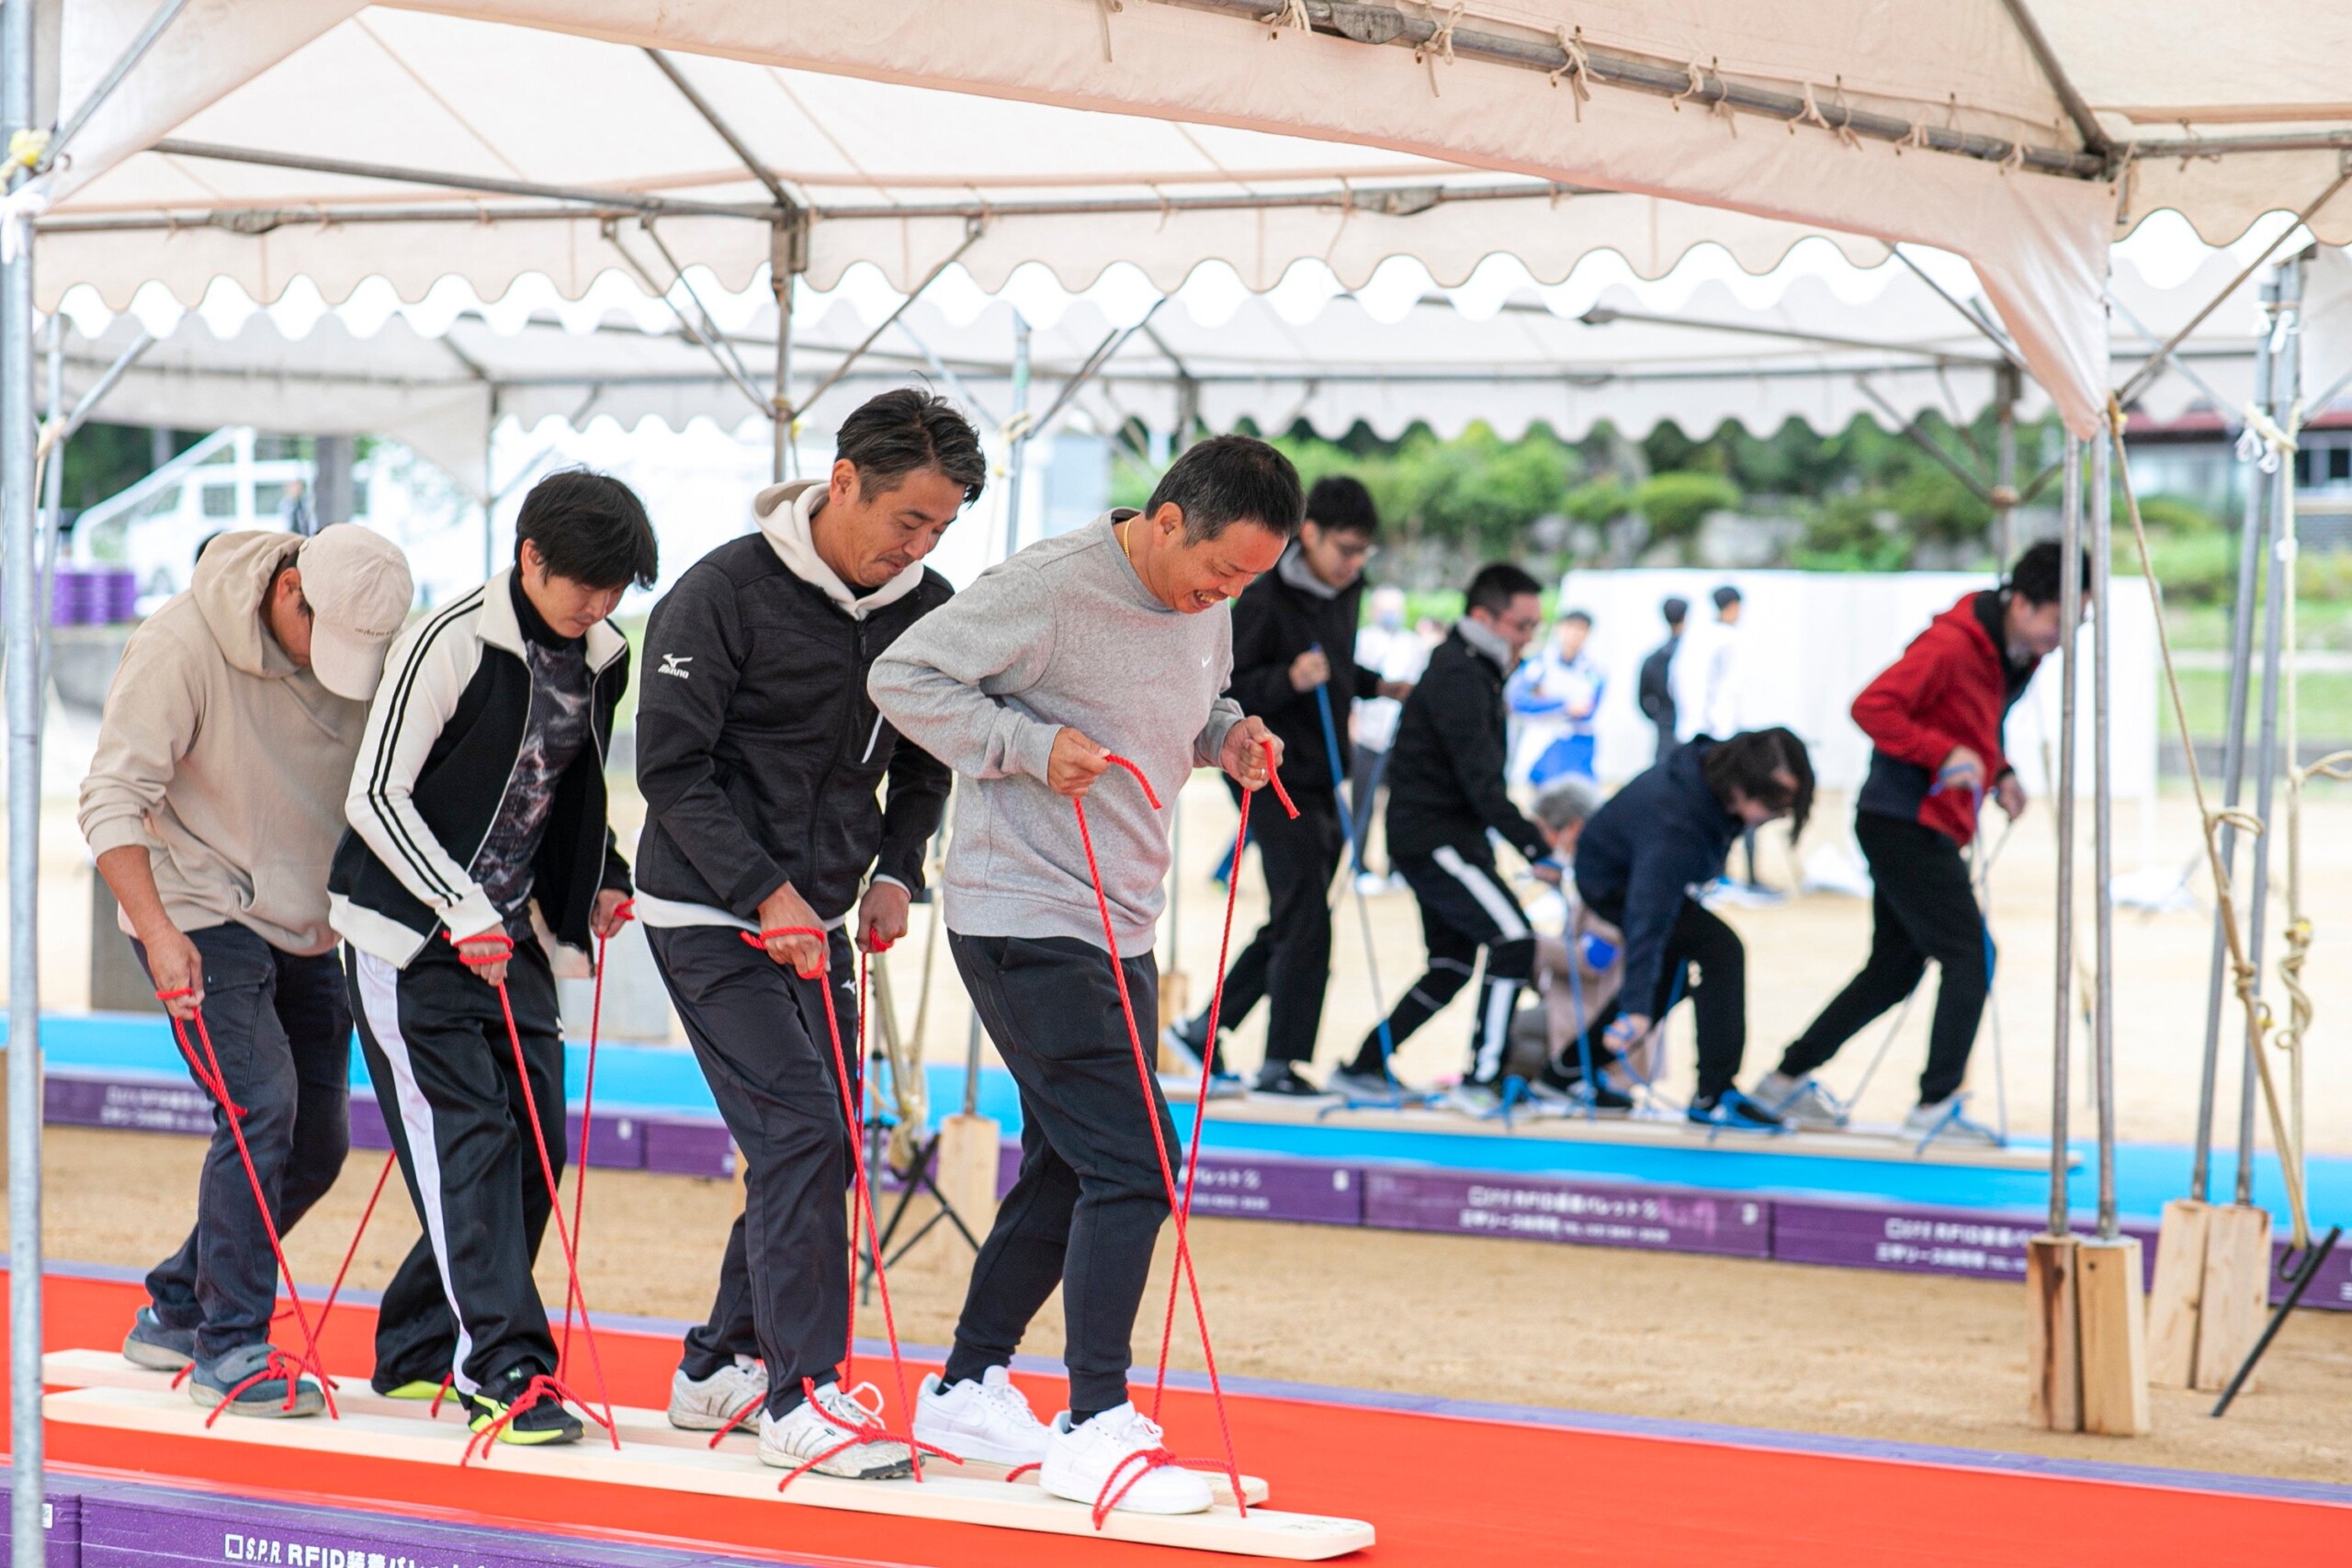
<point>2286,376</point>
<point>2070,603</point>
<point>2103,831</point>
<point>18,443</point>
<point>2253,533</point>
<point>780,279</point>
<point>2005,463</point>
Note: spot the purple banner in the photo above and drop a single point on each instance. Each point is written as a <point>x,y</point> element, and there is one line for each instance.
<point>1656,1219</point>
<point>1915,1241</point>
<point>2332,1292</point>
<point>1253,1187</point>
<point>60,1517</point>
<point>678,1147</point>
<point>140,1104</point>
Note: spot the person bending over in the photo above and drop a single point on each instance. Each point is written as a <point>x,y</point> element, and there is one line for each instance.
<point>1110,641</point>
<point>763,762</point>
<point>1665,833</point>
<point>1445,794</point>
<point>1293,639</point>
<point>479,791</point>
<point>1577,974</point>
<point>1935,717</point>
<point>227,740</point>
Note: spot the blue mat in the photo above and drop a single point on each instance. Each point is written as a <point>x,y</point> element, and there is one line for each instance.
<point>657,1078</point>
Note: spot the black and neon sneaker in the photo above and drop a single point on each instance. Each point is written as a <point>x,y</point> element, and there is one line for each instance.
<point>1734,1111</point>
<point>525,1408</point>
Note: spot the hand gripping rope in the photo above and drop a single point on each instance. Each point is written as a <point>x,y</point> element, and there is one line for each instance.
<point>1177,1206</point>
<point>494,947</point>
<point>852,1110</point>
<point>206,1069</point>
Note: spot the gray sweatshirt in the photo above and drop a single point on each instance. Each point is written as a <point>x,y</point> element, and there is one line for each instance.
<point>1064,633</point>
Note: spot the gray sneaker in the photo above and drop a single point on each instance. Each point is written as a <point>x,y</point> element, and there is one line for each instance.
<point>1362,1085</point>
<point>711,1404</point>
<point>151,1345</point>
<point>254,1380</point>
<point>1473,1100</point>
<point>1800,1102</point>
<point>1943,1123</point>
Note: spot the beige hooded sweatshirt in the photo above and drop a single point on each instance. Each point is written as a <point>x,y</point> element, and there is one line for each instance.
<point>225,760</point>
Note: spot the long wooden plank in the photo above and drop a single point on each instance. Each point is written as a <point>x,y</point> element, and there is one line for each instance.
<point>1660,1130</point>
<point>953,1499</point>
<point>637,1425</point>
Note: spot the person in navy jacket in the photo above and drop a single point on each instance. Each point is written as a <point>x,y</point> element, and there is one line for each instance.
<point>1933,718</point>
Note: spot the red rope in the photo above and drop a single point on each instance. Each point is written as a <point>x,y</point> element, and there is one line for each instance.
<point>1151,1113</point>
<point>547,1170</point>
<point>870,1430</point>
<point>540,1389</point>
<point>857,1139</point>
<point>623,912</point>
<point>353,1250</point>
<point>278,1365</point>
<point>207,1073</point>
<point>823,977</point>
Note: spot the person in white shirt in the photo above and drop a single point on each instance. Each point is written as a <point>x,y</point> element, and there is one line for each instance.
<point>1706,673</point>
<point>1553,697</point>
<point>1395,652</point>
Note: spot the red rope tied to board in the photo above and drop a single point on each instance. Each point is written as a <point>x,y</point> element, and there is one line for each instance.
<point>852,1104</point>
<point>623,912</point>
<point>538,1391</point>
<point>1177,1204</point>
<point>495,947</point>
<point>207,1074</point>
<point>869,1430</point>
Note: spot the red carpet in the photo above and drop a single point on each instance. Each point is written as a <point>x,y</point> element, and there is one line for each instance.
<point>1438,1490</point>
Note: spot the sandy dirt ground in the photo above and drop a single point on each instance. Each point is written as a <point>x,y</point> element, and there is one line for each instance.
<point>1766,1345</point>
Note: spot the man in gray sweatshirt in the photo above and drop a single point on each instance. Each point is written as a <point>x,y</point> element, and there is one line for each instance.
<point>1111,641</point>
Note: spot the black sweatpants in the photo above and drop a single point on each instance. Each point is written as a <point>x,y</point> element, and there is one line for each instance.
<point>1288,962</point>
<point>463,1300</point>
<point>759,1031</point>
<point>1923,908</point>
<point>282,1034</point>
<point>1087,1208</point>
<point>1465,906</point>
<point>1717,990</point>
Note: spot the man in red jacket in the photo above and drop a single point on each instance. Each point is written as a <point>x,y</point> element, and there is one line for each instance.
<point>1934,719</point>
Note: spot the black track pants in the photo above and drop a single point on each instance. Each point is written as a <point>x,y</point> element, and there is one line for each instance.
<point>1465,906</point>
<point>1288,962</point>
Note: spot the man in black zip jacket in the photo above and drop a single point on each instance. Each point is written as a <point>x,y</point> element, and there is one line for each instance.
<point>1294,638</point>
<point>479,791</point>
<point>1664,834</point>
<point>763,760</point>
<point>1445,791</point>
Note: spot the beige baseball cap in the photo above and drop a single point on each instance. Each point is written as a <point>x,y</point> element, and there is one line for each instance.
<point>359,589</point>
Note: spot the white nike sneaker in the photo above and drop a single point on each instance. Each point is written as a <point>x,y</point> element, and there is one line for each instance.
<point>986,1420</point>
<point>1110,1451</point>
<point>1799,1102</point>
<point>714,1403</point>
<point>824,1434</point>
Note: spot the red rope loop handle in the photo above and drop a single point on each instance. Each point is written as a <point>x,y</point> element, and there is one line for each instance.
<point>1274,777</point>
<point>869,1430</point>
<point>760,941</point>
<point>1149,793</point>
<point>503,951</point>
<point>540,1389</point>
<point>623,912</point>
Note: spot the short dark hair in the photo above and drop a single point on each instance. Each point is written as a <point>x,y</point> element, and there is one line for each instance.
<point>591,528</point>
<point>1752,761</point>
<point>2036,576</point>
<point>1725,596</point>
<point>1583,617</point>
<point>906,428</point>
<point>1497,584</point>
<point>1676,610</point>
<point>1342,505</point>
<point>1227,480</point>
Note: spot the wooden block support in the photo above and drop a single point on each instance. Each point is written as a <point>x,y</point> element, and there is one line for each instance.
<point>2112,1309</point>
<point>1175,1003</point>
<point>2053,1364</point>
<point>2236,1292</point>
<point>2173,1303</point>
<point>967,1165</point>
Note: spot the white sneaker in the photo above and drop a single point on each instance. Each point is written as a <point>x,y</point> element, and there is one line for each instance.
<point>713,1403</point>
<point>986,1420</point>
<point>823,1435</point>
<point>1080,1461</point>
<point>1943,1123</point>
<point>1799,1102</point>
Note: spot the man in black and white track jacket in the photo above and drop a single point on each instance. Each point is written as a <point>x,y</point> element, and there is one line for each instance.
<point>479,791</point>
<point>765,767</point>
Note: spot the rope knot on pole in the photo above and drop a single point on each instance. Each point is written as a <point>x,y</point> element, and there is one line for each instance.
<point>1576,65</point>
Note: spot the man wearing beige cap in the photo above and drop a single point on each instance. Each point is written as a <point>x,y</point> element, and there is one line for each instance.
<point>213,805</point>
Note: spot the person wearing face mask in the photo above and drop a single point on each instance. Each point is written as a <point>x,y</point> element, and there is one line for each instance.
<point>1294,644</point>
<point>1447,794</point>
<point>1394,651</point>
<point>1110,641</point>
<point>480,792</point>
<point>1639,859</point>
<point>765,767</point>
<point>1935,718</point>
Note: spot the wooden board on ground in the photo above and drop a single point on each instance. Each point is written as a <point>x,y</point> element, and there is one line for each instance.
<point>105,1369</point>
<point>2054,1345</point>
<point>2174,1301</point>
<point>1664,1129</point>
<point>727,1472</point>
<point>2114,1336</point>
<point>2236,1292</point>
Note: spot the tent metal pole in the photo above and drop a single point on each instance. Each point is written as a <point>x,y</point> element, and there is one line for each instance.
<point>972,233</point>
<point>1604,315</point>
<point>1111,342</point>
<point>124,64</point>
<point>18,444</point>
<point>2103,830</point>
<point>52,499</point>
<point>2004,462</point>
<point>623,201</point>
<point>947,373</point>
<point>2070,602</point>
<point>1968,313</point>
<point>735,144</point>
<point>2253,531</point>
<point>2285,376</point>
<point>2078,111</point>
<point>1910,429</point>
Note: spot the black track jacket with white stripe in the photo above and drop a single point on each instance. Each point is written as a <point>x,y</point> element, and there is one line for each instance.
<point>1445,774</point>
<point>434,768</point>
<point>761,757</point>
